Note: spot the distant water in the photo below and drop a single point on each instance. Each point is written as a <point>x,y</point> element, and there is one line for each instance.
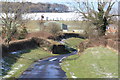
<point>52,16</point>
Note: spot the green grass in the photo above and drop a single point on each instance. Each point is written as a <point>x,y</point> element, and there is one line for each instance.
<point>72,24</point>
<point>73,42</point>
<point>76,24</point>
<point>34,25</point>
<point>96,62</point>
<point>23,61</point>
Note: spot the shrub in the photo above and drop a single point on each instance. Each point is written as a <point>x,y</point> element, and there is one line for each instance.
<point>23,33</point>
<point>89,30</point>
<point>53,27</point>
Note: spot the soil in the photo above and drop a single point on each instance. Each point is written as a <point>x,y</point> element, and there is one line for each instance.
<point>42,34</point>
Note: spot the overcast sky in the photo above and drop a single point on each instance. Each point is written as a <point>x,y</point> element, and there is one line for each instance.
<point>52,1</point>
<point>56,1</point>
<point>66,2</point>
<point>43,1</point>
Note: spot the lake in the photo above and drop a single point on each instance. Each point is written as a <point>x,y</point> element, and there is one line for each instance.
<point>53,16</point>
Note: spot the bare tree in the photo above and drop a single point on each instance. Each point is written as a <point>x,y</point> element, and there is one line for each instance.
<point>12,19</point>
<point>114,19</point>
<point>53,28</point>
<point>98,13</point>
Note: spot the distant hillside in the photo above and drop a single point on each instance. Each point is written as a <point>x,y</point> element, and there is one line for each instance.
<point>38,7</point>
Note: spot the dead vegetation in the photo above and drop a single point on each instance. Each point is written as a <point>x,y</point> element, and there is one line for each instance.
<point>42,34</point>
<point>110,40</point>
<point>23,44</point>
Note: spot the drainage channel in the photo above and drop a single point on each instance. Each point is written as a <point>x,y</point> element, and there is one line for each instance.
<point>48,68</point>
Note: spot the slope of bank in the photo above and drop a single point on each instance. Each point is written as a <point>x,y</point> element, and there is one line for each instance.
<point>96,62</point>
<point>15,64</point>
<point>20,54</point>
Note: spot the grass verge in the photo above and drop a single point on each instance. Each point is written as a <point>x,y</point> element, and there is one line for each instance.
<point>96,62</point>
<point>18,63</point>
<point>73,42</point>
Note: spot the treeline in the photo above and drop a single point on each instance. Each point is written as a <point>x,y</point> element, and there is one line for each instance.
<point>37,7</point>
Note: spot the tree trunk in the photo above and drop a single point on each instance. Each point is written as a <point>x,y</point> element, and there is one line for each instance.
<point>101,30</point>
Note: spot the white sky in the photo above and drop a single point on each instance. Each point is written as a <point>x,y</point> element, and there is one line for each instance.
<point>67,2</point>
<point>56,1</point>
<point>43,1</point>
<point>51,1</point>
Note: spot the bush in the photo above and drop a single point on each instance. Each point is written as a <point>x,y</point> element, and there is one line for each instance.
<point>53,27</point>
<point>89,29</point>
<point>25,44</point>
<point>23,33</point>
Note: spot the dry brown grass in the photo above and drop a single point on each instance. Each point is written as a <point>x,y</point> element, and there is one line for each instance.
<point>110,40</point>
<point>23,44</point>
<point>39,34</point>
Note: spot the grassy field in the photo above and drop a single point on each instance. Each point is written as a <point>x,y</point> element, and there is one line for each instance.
<point>96,62</point>
<point>34,25</point>
<point>77,25</point>
<point>72,23</point>
<point>20,62</point>
<point>73,42</point>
